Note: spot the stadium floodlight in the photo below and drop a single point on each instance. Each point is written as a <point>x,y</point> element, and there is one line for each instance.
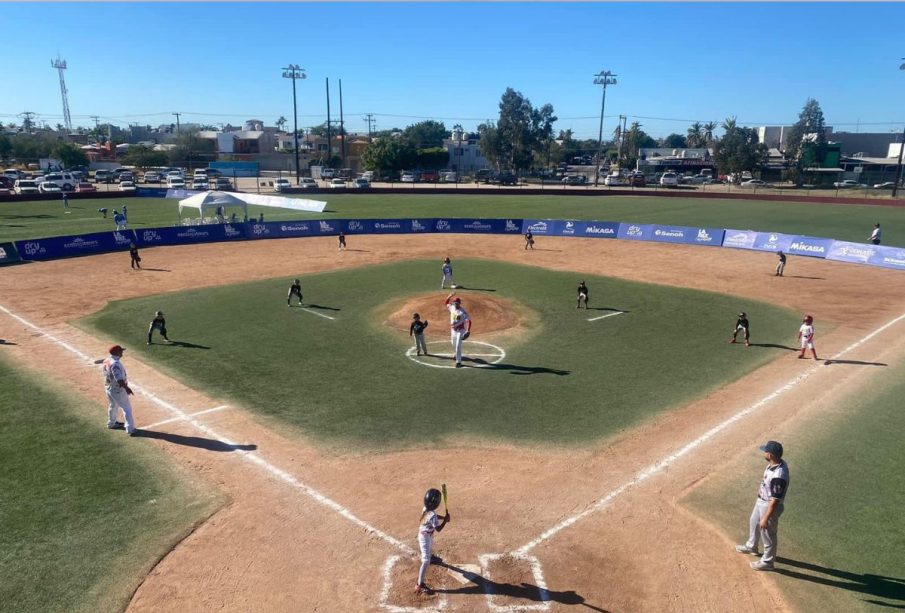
<point>604,77</point>
<point>294,72</point>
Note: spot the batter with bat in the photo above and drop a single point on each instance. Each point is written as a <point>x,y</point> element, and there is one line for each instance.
<point>430,522</point>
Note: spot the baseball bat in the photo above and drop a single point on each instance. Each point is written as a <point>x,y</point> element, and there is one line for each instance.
<point>443,491</point>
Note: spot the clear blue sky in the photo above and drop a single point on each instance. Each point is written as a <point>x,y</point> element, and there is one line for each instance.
<point>404,62</point>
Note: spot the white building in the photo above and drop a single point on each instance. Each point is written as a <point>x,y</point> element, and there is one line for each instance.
<point>464,152</point>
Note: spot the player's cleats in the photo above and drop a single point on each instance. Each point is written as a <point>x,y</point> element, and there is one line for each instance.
<point>746,549</point>
<point>761,565</point>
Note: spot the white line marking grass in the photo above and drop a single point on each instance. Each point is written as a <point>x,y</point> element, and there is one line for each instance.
<point>498,356</point>
<point>539,581</point>
<point>388,583</point>
<point>172,419</point>
<point>665,462</point>
<point>316,313</point>
<point>607,315</point>
<point>250,456</point>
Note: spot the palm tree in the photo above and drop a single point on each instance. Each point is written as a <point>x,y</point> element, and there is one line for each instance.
<point>281,122</point>
<point>730,124</point>
<point>695,135</point>
<point>709,127</point>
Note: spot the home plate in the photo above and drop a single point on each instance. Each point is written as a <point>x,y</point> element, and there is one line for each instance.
<point>469,572</point>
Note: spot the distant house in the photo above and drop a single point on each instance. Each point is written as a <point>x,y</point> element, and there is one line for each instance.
<point>465,152</point>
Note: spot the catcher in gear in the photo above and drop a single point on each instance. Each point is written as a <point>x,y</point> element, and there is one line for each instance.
<point>160,324</point>
<point>429,524</point>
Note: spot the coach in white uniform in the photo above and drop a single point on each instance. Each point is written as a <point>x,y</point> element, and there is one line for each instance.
<point>459,325</point>
<point>764,522</point>
<point>116,384</point>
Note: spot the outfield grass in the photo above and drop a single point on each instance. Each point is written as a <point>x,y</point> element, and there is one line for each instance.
<point>85,512</point>
<point>21,220</point>
<point>842,538</point>
<point>348,382</point>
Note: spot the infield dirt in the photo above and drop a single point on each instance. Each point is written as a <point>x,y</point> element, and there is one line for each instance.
<point>274,548</point>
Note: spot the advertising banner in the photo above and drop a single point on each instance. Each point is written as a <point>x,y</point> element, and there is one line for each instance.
<point>422,225</point>
<point>706,236</point>
<point>71,246</point>
<point>673,234</point>
<point>772,241</point>
<point>280,229</point>
<point>635,231</point>
<point>593,229</point>
<point>329,227</point>
<point>739,239</point>
<point>8,254</point>
<point>888,257</point>
<point>842,251</point>
<point>543,227</point>
<point>151,192</point>
<point>810,246</point>
<point>181,235</point>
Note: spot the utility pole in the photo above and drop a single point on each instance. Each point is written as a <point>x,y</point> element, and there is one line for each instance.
<point>97,128</point>
<point>604,77</point>
<point>294,72</point>
<point>26,121</point>
<point>370,119</point>
<point>329,133</point>
<point>60,65</point>
<point>177,122</point>
<point>342,129</point>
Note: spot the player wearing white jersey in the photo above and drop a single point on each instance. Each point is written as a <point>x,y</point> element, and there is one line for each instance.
<point>806,336</point>
<point>430,523</point>
<point>459,325</point>
<point>118,391</point>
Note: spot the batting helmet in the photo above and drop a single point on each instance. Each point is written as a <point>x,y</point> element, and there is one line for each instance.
<point>432,499</point>
<point>297,281</point>
<point>808,319</point>
<point>457,300</point>
<point>159,313</point>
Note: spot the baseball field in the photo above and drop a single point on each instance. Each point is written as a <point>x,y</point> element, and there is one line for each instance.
<point>602,459</point>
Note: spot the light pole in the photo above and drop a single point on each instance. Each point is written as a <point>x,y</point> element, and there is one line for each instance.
<point>604,77</point>
<point>895,186</point>
<point>294,72</point>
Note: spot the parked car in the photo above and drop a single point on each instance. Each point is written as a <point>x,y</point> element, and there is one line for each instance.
<point>49,187</point>
<point>327,173</point>
<point>408,177</point>
<point>450,176</point>
<point>429,176</point>
<point>25,186</point>
<point>848,183</point>
<point>753,183</point>
<point>14,174</point>
<point>307,183</point>
<point>886,185</point>
<point>152,177</point>
<point>669,179</point>
<point>175,183</point>
<point>126,186</point>
<point>66,181</point>
<point>505,178</point>
<point>200,183</point>
<point>222,184</point>
<point>127,176</point>
<point>361,184</point>
<point>337,183</point>
<point>483,176</point>
<point>6,182</point>
<point>281,185</point>
<point>84,187</point>
<point>103,176</point>
<point>637,180</point>
<point>213,172</point>
<point>368,174</point>
<point>574,180</point>
<point>613,181</point>
<point>200,173</point>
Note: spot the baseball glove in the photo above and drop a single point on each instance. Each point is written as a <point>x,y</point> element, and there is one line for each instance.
<point>465,336</point>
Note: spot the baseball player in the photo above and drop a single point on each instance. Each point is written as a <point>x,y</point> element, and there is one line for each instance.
<point>416,330</point>
<point>447,275</point>
<point>582,295</point>
<point>529,240</point>
<point>133,254</point>
<point>118,391</point>
<point>741,325</point>
<point>66,203</point>
<point>342,241</point>
<point>806,336</point>
<point>781,264</point>
<point>160,324</point>
<point>430,522</point>
<point>459,325</point>
<point>771,495</point>
<point>119,220</point>
<point>126,213</point>
<point>876,235</point>
<point>294,290</point>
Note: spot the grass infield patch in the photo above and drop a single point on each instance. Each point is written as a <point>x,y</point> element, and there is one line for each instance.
<point>347,381</point>
<point>85,511</point>
<point>841,536</point>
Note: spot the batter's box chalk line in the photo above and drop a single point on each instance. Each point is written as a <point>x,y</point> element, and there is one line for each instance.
<point>388,583</point>
<point>488,353</point>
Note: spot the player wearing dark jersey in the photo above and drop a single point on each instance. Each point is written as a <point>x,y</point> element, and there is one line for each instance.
<point>160,324</point>
<point>741,324</point>
<point>416,330</point>
<point>133,253</point>
<point>294,290</point>
<point>582,295</point>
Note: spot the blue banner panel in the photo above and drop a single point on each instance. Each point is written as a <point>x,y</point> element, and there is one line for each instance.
<point>8,254</point>
<point>422,225</point>
<point>330,227</point>
<point>281,229</point>
<point>635,231</point>
<point>71,246</point>
<point>673,234</point>
<point>151,192</point>
<point>842,251</point>
<point>739,239</point>
<point>810,246</point>
<point>706,236</point>
<point>772,241</point>
<point>543,227</point>
<point>592,229</point>
<point>888,257</point>
<point>182,235</point>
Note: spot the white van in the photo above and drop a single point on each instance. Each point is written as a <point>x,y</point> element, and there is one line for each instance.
<point>669,179</point>
<point>66,181</point>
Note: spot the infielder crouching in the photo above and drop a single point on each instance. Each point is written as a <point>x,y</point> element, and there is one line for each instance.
<point>430,522</point>
<point>160,324</point>
<point>459,324</point>
<point>118,391</point>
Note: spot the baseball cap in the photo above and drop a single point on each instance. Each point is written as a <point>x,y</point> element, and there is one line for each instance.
<point>116,349</point>
<point>773,447</point>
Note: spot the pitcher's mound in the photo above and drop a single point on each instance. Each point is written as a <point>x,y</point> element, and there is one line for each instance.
<point>488,314</point>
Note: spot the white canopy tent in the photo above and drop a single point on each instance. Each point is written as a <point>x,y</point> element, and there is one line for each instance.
<point>211,201</point>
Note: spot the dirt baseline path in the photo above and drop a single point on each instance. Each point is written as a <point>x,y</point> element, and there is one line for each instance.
<point>280,546</point>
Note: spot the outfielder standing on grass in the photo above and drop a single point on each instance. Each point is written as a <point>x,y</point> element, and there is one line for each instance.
<point>741,324</point>
<point>459,325</point>
<point>429,523</point>
<point>447,274</point>
<point>806,336</point>
<point>582,295</point>
<point>764,522</point>
<point>118,391</point>
<point>294,290</point>
<point>158,323</point>
<point>416,330</point>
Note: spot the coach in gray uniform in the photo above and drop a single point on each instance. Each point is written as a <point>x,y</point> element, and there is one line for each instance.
<point>764,522</point>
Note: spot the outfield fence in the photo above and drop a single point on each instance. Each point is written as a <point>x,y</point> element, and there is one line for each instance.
<point>808,246</point>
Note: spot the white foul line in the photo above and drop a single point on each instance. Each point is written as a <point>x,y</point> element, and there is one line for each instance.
<point>607,315</point>
<point>316,313</point>
<point>250,456</point>
<point>665,462</point>
<point>172,419</point>
<point>385,593</point>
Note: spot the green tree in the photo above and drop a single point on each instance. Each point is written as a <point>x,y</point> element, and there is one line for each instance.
<point>389,153</point>
<point>520,132</point>
<point>738,150</point>
<point>709,127</point>
<point>426,134</point>
<point>192,149</point>
<point>675,141</point>
<point>69,155</point>
<point>144,157</point>
<point>280,122</point>
<point>635,139</point>
<point>29,148</point>
<point>695,137</point>
<point>432,158</point>
<point>6,147</point>
<point>810,128</point>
